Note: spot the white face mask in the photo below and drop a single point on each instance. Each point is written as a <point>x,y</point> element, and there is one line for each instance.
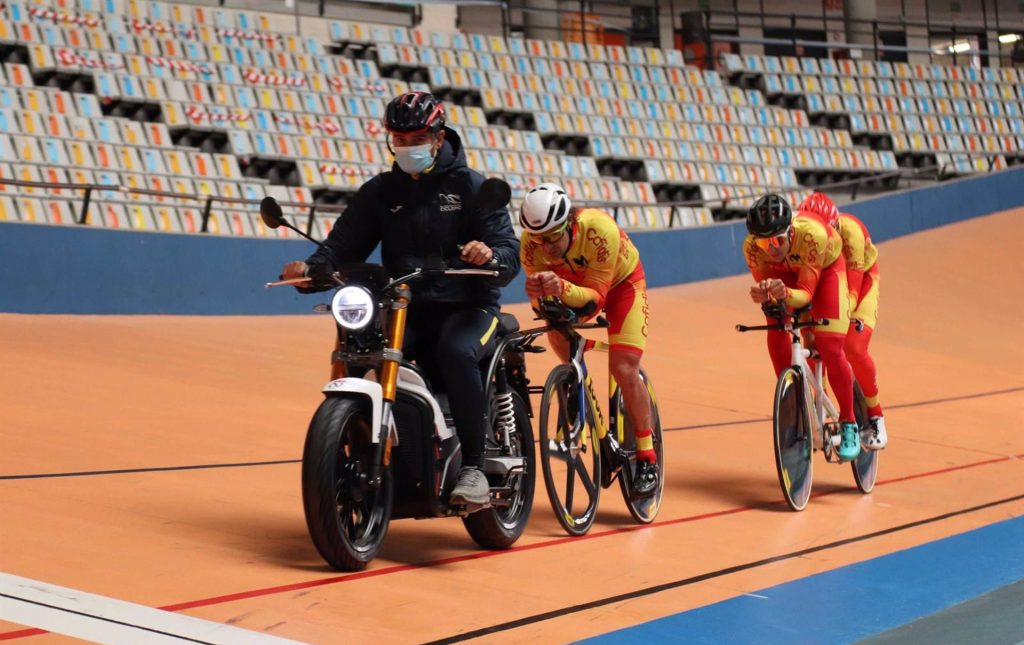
<point>414,159</point>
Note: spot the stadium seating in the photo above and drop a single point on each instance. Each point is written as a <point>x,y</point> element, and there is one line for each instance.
<point>961,119</point>
<point>212,101</point>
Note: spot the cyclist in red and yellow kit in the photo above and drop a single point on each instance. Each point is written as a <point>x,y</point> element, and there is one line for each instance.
<point>798,262</point>
<point>583,257</point>
<point>863,278</point>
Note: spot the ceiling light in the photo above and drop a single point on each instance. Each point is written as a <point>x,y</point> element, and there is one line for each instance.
<point>960,48</point>
<point>1006,39</point>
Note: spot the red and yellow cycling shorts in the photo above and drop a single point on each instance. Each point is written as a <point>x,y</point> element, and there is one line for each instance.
<point>867,309</point>
<point>627,311</point>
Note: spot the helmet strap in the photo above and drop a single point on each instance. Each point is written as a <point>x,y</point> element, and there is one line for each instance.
<point>571,232</point>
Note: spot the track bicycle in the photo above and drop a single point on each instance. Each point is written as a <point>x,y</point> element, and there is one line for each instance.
<point>805,419</point>
<point>580,453</point>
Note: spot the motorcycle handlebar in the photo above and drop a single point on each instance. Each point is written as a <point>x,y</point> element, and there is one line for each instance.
<point>286,283</point>
<point>489,270</point>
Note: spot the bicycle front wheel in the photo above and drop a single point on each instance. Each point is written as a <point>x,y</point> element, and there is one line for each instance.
<point>793,447</point>
<point>570,455</point>
<point>865,466</point>
<point>643,509</point>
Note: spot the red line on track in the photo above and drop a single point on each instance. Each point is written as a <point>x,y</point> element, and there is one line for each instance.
<point>309,584</point>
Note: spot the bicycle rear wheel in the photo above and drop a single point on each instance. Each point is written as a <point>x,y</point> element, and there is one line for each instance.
<point>644,509</point>
<point>570,455</point>
<point>792,433</point>
<point>865,466</point>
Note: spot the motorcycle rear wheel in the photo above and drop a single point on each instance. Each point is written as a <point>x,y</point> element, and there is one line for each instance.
<point>499,527</point>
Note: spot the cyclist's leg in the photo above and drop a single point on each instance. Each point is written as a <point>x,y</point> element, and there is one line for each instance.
<point>863,365</point>
<point>857,343</point>
<point>831,303</point>
<point>627,309</point>
<point>559,345</point>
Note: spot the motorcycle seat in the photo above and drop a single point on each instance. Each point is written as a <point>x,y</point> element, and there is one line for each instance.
<point>507,324</point>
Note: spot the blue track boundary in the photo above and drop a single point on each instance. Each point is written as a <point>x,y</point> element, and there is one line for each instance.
<point>853,602</point>
<point>88,270</point>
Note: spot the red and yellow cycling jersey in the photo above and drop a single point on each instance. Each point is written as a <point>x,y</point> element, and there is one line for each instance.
<point>814,246</point>
<point>600,257</point>
<point>861,255</point>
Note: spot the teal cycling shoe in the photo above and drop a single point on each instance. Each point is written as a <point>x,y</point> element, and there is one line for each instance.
<point>849,447</point>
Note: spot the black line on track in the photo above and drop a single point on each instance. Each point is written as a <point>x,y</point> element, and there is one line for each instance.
<point>107,620</point>
<point>963,397</point>
<point>124,471</point>
<point>897,406</point>
<point>572,609</point>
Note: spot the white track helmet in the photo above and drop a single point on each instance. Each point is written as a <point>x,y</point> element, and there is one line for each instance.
<point>545,208</point>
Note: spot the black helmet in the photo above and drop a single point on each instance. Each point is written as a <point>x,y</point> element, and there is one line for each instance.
<point>414,112</point>
<point>769,216</point>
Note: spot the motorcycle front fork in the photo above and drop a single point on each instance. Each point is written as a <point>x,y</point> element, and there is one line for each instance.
<point>389,380</point>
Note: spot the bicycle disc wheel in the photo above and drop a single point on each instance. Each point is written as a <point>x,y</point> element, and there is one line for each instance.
<point>570,454</point>
<point>644,509</point>
<point>865,466</point>
<point>793,448</point>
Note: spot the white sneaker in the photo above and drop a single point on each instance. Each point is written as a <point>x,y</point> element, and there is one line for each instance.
<point>877,439</point>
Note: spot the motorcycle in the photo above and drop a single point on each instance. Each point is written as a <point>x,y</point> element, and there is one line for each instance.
<point>382,446</point>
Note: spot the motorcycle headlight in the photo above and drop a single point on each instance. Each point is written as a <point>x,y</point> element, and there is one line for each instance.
<point>352,307</point>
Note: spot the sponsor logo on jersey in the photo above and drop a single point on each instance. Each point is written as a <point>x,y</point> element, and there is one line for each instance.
<point>450,203</point>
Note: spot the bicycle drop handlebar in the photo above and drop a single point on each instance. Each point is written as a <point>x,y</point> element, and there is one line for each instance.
<point>783,313</point>
<point>559,314</point>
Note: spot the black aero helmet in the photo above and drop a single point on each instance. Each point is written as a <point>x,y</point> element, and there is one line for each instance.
<point>414,112</point>
<point>769,216</point>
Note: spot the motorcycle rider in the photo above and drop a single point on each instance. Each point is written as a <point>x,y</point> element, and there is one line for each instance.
<point>423,212</point>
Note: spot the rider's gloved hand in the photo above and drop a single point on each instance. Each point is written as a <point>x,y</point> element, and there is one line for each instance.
<point>776,288</point>
<point>533,287</point>
<point>294,270</point>
<point>545,283</point>
<point>758,294</point>
<point>476,253</point>
<point>317,273</point>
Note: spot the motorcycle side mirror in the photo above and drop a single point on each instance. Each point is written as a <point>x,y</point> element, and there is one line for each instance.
<point>273,217</point>
<point>494,193</point>
<point>271,213</point>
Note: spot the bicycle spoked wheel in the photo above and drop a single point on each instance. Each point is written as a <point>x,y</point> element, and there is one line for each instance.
<point>793,446</point>
<point>570,455</point>
<point>865,466</point>
<point>643,509</point>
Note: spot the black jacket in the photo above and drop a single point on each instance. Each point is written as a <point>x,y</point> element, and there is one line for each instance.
<point>420,222</point>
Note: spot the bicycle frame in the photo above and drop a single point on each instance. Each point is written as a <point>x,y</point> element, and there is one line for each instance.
<point>814,395</point>
<point>578,346</point>
<point>814,391</point>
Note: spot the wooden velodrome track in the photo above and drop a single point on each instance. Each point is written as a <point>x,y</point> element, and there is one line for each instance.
<point>208,416</point>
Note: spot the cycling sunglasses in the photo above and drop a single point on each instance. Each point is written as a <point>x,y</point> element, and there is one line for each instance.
<point>771,243</point>
<point>551,238</point>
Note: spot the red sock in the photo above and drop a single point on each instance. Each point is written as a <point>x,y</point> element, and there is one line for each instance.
<point>645,447</point>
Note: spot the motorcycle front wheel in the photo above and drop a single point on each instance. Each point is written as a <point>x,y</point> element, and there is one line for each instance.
<point>347,518</point>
